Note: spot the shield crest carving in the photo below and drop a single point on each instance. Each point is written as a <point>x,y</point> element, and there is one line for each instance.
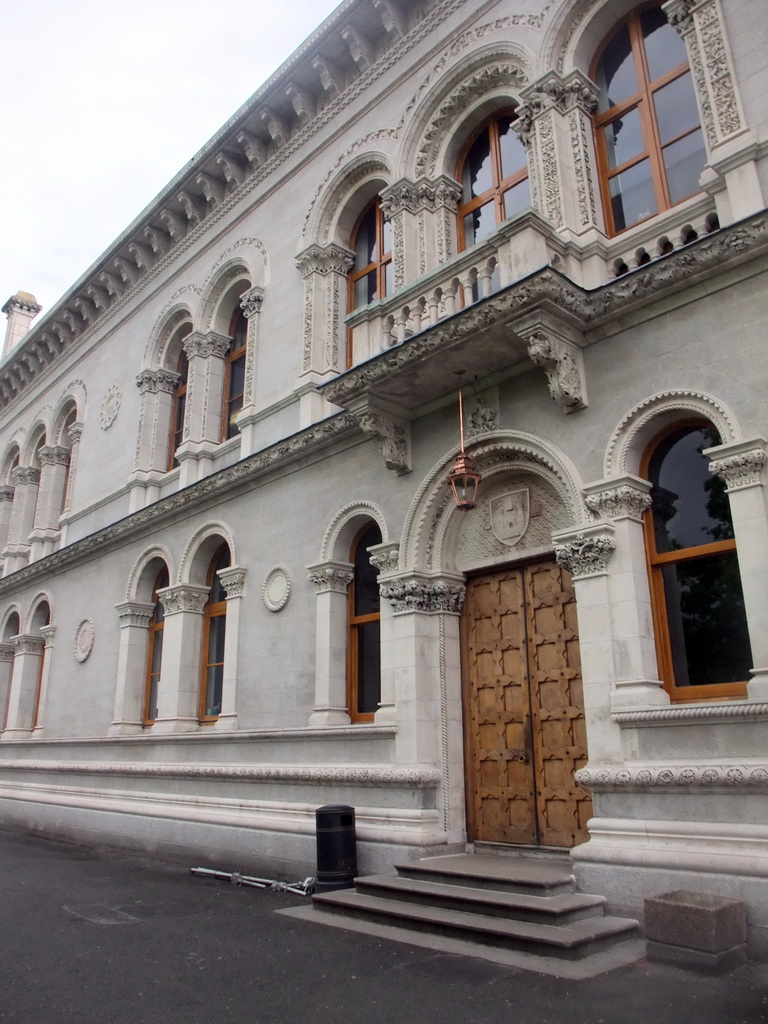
<point>510,515</point>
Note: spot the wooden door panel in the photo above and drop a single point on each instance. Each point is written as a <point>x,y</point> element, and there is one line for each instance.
<point>525,722</point>
<point>502,792</point>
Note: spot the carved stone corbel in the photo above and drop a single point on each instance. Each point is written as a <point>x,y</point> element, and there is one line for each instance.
<point>392,431</point>
<point>555,347</point>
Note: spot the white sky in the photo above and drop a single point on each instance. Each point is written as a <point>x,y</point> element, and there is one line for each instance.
<point>103,102</point>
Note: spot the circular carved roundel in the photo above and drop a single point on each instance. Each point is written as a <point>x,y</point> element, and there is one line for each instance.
<point>277,588</point>
<point>84,640</point>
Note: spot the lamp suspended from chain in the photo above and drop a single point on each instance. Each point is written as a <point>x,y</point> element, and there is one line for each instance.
<point>463,478</point>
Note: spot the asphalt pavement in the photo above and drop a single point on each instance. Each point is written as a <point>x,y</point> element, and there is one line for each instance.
<point>97,937</point>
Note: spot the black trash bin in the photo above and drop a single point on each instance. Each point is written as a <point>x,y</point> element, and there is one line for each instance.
<point>336,847</point>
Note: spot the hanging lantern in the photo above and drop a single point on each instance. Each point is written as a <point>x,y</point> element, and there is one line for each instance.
<point>464,478</point>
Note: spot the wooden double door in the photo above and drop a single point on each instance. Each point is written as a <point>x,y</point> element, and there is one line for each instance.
<point>524,711</point>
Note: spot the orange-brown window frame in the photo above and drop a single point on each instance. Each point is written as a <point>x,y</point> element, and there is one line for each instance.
<point>378,266</point>
<point>178,408</point>
<point>499,185</point>
<point>660,615</point>
<point>154,636</point>
<point>213,610</point>
<point>236,352</point>
<point>353,634</point>
<point>642,99</point>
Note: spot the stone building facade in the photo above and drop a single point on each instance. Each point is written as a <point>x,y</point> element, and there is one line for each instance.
<point>235,582</point>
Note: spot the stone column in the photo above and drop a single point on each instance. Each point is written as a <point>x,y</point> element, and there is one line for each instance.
<point>731,175</point>
<point>205,396</point>
<point>622,501</point>
<point>585,553</point>
<point>742,465</point>
<point>554,122</point>
<point>325,270</point>
<point>7,652</point>
<point>423,217</point>
<point>48,634</point>
<point>427,673</point>
<point>16,551</point>
<point>331,581</point>
<point>250,304</point>
<point>23,689</point>
<point>6,507</point>
<point>74,433</point>
<point>233,581</point>
<point>135,617</point>
<point>178,692</point>
<point>385,559</point>
<point>50,498</point>
<point>157,388</point>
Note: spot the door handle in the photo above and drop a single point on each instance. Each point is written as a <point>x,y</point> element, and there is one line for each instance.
<point>522,757</point>
<point>517,755</point>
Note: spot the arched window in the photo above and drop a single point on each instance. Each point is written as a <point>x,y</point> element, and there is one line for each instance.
<point>178,410</point>
<point>234,382</point>
<point>493,171</point>
<point>699,619</point>
<point>154,650</point>
<point>214,628</point>
<point>364,645</point>
<point>649,141</point>
<point>371,276</point>
<point>42,617</point>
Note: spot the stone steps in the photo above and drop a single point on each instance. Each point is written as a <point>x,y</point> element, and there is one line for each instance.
<point>515,903</point>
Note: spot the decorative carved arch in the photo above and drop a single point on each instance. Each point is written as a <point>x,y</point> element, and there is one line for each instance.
<point>40,430</point>
<point>173,316</point>
<point>353,182</point>
<point>8,630</point>
<point>577,29</point>
<point>73,396</point>
<point>12,453</point>
<point>221,295</point>
<point>487,79</point>
<point>200,549</point>
<point>432,517</point>
<point>338,537</point>
<point>632,436</point>
<point>141,578</point>
<point>43,597</point>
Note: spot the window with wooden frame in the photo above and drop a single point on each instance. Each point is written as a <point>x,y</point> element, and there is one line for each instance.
<point>702,639</point>
<point>68,424</point>
<point>214,630</point>
<point>154,650</point>
<point>364,642</point>
<point>371,276</point>
<point>43,613</point>
<point>178,410</point>
<point>650,147</point>
<point>493,171</point>
<point>234,377</point>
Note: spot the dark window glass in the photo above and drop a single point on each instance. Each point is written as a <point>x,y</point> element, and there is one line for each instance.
<point>513,154</point>
<point>632,196</point>
<point>616,76</point>
<point>478,171</point>
<point>364,629</point>
<point>369,661</point>
<point>664,46</point>
<point>683,162</point>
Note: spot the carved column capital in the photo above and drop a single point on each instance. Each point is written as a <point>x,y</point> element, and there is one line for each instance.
<point>26,475</point>
<point>135,613</point>
<point>233,581</point>
<point>587,552</point>
<point>250,301</point>
<point>330,577</point>
<point>48,633</point>
<point>206,345</point>
<point>26,643</point>
<point>385,558</point>
<point>54,456</point>
<point>7,652</point>
<point>325,259</point>
<point>625,497</point>
<point>413,592</point>
<point>739,465</point>
<point>184,597</point>
<point>75,432</point>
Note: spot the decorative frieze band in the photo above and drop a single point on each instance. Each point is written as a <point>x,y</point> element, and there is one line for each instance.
<point>586,554</point>
<point>423,594</point>
<point>681,777</point>
<point>360,775</point>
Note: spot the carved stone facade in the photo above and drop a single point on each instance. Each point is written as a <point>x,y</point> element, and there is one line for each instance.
<point>140,492</point>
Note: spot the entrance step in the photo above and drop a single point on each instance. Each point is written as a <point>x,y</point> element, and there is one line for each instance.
<point>516,904</point>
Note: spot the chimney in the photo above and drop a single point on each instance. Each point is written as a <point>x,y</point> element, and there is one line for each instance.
<point>21,310</point>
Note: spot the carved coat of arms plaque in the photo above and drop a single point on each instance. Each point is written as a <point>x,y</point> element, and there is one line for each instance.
<point>510,515</point>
